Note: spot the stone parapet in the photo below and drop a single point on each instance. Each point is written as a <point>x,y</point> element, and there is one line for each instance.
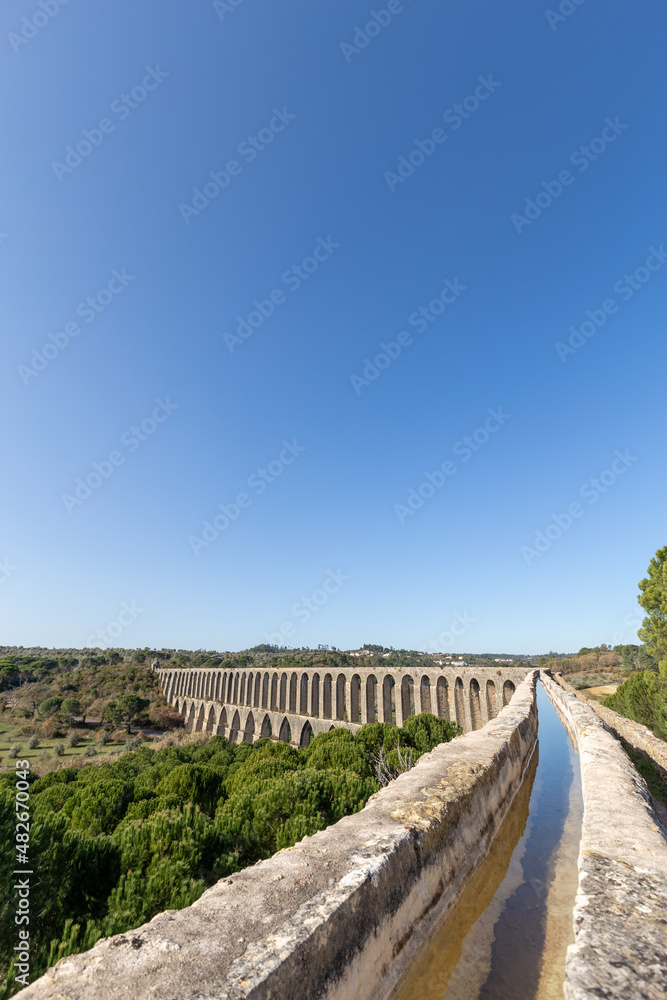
<point>638,737</point>
<point>620,914</point>
<point>342,913</point>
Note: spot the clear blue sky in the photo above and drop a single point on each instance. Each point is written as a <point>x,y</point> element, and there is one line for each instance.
<point>332,111</point>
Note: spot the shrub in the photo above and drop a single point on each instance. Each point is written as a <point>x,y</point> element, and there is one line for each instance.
<point>14,751</point>
<point>90,751</point>
<point>104,738</point>
<point>58,749</point>
<point>133,743</point>
<point>33,742</point>
<point>51,729</point>
<point>73,740</point>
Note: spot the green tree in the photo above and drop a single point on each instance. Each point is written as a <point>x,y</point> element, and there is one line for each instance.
<point>50,706</point>
<point>125,710</point>
<point>653,599</point>
<point>70,708</point>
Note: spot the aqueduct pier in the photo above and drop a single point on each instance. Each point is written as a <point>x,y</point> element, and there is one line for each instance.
<point>293,705</point>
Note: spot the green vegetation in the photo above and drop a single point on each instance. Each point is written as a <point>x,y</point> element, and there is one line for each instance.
<point>653,599</point>
<point>49,691</point>
<point>643,696</point>
<point>119,841</point>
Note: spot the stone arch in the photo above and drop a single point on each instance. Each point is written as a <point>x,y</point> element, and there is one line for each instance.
<point>285,734</point>
<point>249,731</point>
<point>315,696</point>
<point>248,699</point>
<point>199,727</point>
<point>508,691</point>
<point>326,697</point>
<point>340,697</point>
<point>258,690</point>
<point>274,692</point>
<point>442,698</point>
<point>210,719</point>
<point>283,693</point>
<point>491,700</point>
<point>355,699</point>
<point>306,735</point>
<point>222,722</point>
<point>234,728</point>
<point>241,700</point>
<point>216,689</point>
<point>265,691</point>
<point>475,704</point>
<point>407,697</point>
<point>425,694</point>
<point>236,689</point>
<point>388,699</point>
<point>190,718</point>
<point>459,703</point>
<point>371,698</point>
<point>293,685</point>
<point>266,727</point>
<point>303,694</point>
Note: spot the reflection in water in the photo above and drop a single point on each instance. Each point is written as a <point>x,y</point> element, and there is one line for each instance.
<point>507,936</point>
<point>431,977</point>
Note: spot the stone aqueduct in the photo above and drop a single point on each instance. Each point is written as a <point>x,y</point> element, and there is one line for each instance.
<point>292,705</point>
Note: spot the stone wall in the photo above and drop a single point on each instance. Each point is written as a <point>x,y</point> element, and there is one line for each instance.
<point>620,915</point>
<point>638,737</point>
<point>341,914</point>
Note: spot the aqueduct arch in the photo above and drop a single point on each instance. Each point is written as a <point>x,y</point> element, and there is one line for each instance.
<point>295,705</point>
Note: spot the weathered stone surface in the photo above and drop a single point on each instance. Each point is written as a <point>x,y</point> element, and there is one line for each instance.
<point>633,733</point>
<point>342,913</point>
<point>620,915</point>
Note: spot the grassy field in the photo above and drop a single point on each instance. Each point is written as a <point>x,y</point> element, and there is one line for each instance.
<point>600,692</point>
<point>12,734</point>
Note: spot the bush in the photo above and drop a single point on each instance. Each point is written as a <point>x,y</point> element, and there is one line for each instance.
<point>14,751</point>
<point>52,729</point>
<point>133,743</point>
<point>58,749</point>
<point>33,742</point>
<point>104,738</point>
<point>73,740</point>
<point>90,751</point>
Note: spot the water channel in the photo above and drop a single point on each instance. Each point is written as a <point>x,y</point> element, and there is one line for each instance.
<point>507,936</point>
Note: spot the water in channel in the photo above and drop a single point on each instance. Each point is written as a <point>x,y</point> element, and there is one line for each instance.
<point>507,936</point>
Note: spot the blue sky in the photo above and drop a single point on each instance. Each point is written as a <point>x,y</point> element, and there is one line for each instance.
<point>534,199</point>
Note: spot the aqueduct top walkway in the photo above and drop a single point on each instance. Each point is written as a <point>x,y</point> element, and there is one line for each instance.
<point>294,704</point>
